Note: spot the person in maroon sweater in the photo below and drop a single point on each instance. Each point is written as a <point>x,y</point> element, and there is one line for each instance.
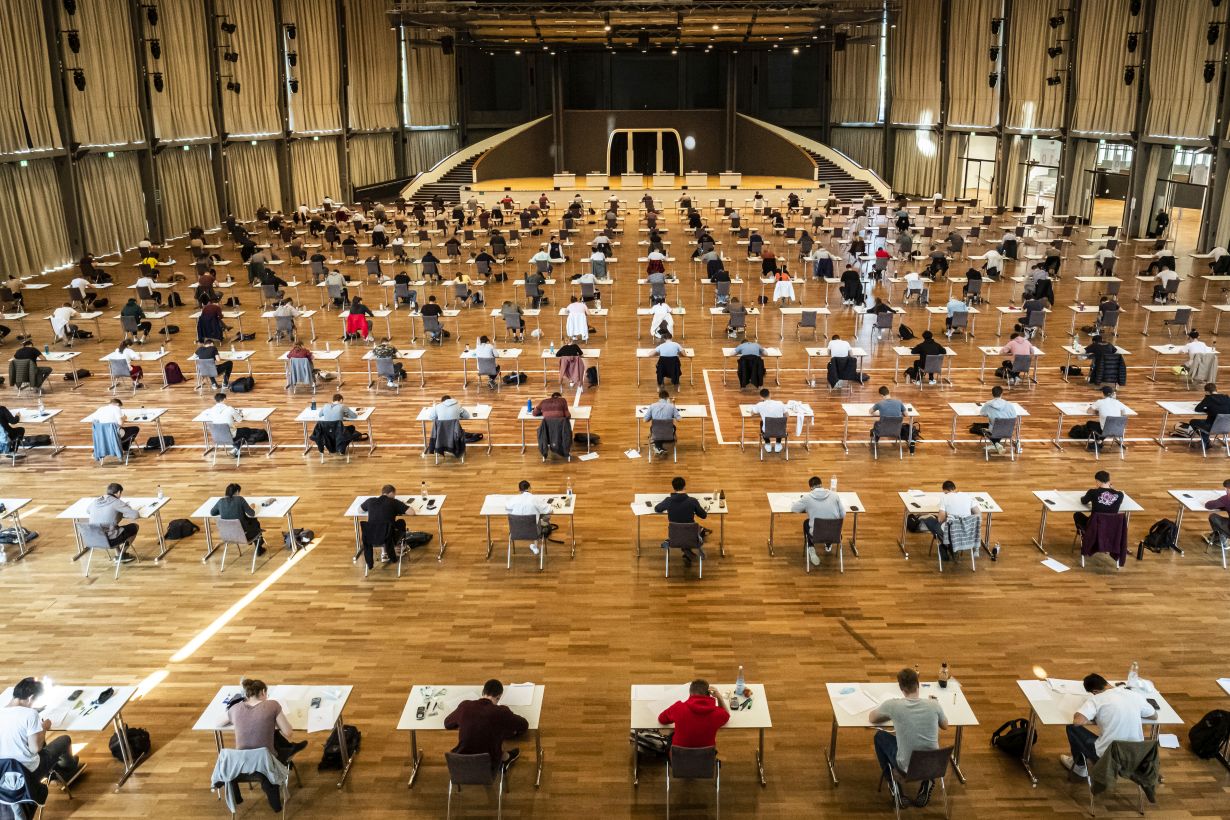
<point>555,407</point>
<point>1219,523</point>
<point>483,725</point>
<point>698,718</point>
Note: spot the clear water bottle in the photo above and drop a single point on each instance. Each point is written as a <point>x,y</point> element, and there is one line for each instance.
<point>313,405</point>
<point>326,347</point>
<point>944,676</point>
<point>160,495</point>
<point>833,484</point>
<point>232,347</point>
<point>1133,675</point>
<point>740,687</point>
<point>42,408</point>
<point>423,490</point>
<point>552,347</point>
<point>568,486</point>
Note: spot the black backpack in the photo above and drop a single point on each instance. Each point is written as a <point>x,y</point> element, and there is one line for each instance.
<point>138,743</point>
<point>331,758</point>
<point>904,332</point>
<point>1209,736</point>
<point>591,375</point>
<point>244,384</point>
<point>181,528</point>
<point>1011,737</point>
<point>415,539</point>
<point>1161,536</point>
<point>155,443</point>
<point>651,742</point>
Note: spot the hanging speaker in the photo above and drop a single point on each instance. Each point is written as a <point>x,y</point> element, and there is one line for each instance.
<point>446,46</point>
<point>839,42</point>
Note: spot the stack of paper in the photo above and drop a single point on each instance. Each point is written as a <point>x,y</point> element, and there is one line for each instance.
<point>1065,687</point>
<point>858,703</point>
<point>518,694</point>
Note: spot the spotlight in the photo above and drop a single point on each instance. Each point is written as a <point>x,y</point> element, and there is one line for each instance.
<point>1134,7</point>
<point>158,83</point>
<point>1054,51</point>
<point>1211,34</point>
<point>292,57</point>
<point>231,85</point>
<point>294,85</point>
<point>74,40</point>
<point>1133,41</point>
<point>151,15</point>
<point>993,53</point>
<point>996,23</point>
<point>155,49</point>
<point>1056,22</point>
<point>229,27</point>
<point>993,78</point>
<point>230,57</point>
<point>291,31</point>
<point>78,76</point>
<point>1056,80</point>
<point>70,6</point>
<point>1210,69</point>
<point>1129,75</point>
<point>794,50</point>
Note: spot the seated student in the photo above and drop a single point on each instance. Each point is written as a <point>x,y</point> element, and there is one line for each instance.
<point>769,408</point>
<point>23,737</point>
<point>697,719</point>
<point>839,348</point>
<point>107,511</point>
<point>889,408</point>
<point>822,503</point>
<point>260,723</point>
<point>432,309</point>
<point>514,320</point>
<point>917,722</point>
<point>954,307</point>
<point>1219,261</point>
<point>851,287</point>
<point>126,353</point>
<point>997,408</point>
<point>234,507</point>
<point>661,410</point>
<point>555,407</point>
<point>1017,345</point>
<point>1164,277</point>
<point>447,409</point>
<point>668,365</point>
<point>28,352</point>
<point>384,527</point>
<point>1220,523</point>
<point>737,310</point>
<point>1105,407</point>
<point>751,363</point>
<point>1162,260</point>
<point>994,264</point>
<point>208,351</point>
<point>485,350</point>
<point>1100,499</point>
<point>913,284</point>
<point>956,242</point>
<point>1212,405</point>
<point>927,347</point>
<point>937,263</point>
<point>223,413</point>
<point>1108,313</point>
<point>1117,712</point>
<point>971,275</point>
<point>9,424</point>
<point>681,508</point>
<point>483,725</point>
<point>358,325</point>
<point>956,505</point>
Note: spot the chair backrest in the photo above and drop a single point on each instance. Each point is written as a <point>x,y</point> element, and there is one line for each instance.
<point>1035,318</point>
<point>1115,426</point>
<point>432,324</point>
<point>775,426</point>
<point>269,291</point>
<point>385,368</point>
<point>1021,363</point>
<point>826,530</point>
<point>1221,425</point>
<point>960,319</point>
<point>1181,317</point>
<point>144,293</point>
<point>722,288</point>
<point>207,368</point>
<point>662,429</point>
<point>486,365</point>
<point>533,289</point>
<point>935,364</point>
<point>299,371</point>
<point>1109,319</point>
<point>221,434</point>
<point>524,528</point>
<point>461,289</point>
<point>807,319</point>
<point>470,770</point>
<point>974,287</point>
<point>1002,428</point>
<point>693,763</point>
<point>129,323</point>
<point>928,764</point>
<point>1171,287</point>
<point>683,536</point>
<point>658,290</point>
<point>888,427</point>
<point>93,536</point>
<point>587,290</point>
<point>118,368</point>
<point>335,291</point>
<point>884,321</point>
<point>285,324</point>
<point>231,530</point>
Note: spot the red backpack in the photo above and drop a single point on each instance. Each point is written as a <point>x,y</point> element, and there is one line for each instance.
<point>174,374</point>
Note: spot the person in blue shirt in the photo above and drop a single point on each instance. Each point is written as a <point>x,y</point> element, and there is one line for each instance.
<point>668,366</point>
<point>953,307</point>
<point>336,410</point>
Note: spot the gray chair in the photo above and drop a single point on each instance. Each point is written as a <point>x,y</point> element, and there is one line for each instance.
<point>1114,429</point>
<point>807,321</point>
<point>230,531</point>
<point>662,431</point>
<point>284,328</point>
<point>299,371</point>
<point>722,292</point>
<point>826,531</point>
<point>129,324</point>
<point>444,431</point>
<point>737,323</point>
<point>1109,321</point>
<point>526,528</point>
<point>386,373</point>
<point>146,297</point>
<point>334,293</point>
<point>1108,756</point>
<point>489,368</point>
<point>475,770</point>
<point>683,537</point>
<point>118,370</point>
<point>1181,319</point>
<point>94,538</point>
<point>686,763</point>
<point>270,295</point>
<point>1220,429</point>
<point>884,323</point>
<point>1036,320</point>
<point>888,428</point>
<point>1111,289</point>
<point>401,294</point>
<point>533,292</point>
<point>1021,363</point>
<point>252,777</point>
<point>461,294</point>
<point>933,369</point>
<point>588,292</point>
<point>977,525</point>
<point>998,430</point>
<point>931,764</point>
<point>221,436</point>
<point>1170,291</point>
<point>433,329</point>
<point>960,322</point>
<point>205,369</point>
<point>776,427</point>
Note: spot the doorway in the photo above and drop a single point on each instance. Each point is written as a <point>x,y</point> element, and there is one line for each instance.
<point>644,151</point>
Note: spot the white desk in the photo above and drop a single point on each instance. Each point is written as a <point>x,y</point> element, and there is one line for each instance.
<point>478,412</point>
<point>779,504</point>
<point>1080,310</point>
<point>309,709</point>
<point>578,412</point>
<point>862,410</point>
<point>751,312</point>
<point>951,699</point>
<point>265,507</point>
<point>37,416</point>
<point>146,507</point>
<point>10,508</point>
<point>1078,409</point>
<point>560,503</point>
<point>745,412</point>
<point>687,412</point>
<point>993,350</point>
<point>928,503</point>
<point>237,315</point>
<point>402,356</point>
<point>599,313</point>
<point>1051,706</point>
<point>143,414</point>
<point>551,355</point>
<point>1081,280</point>
<point>86,315</point>
<point>973,409</point>
<point>438,702</point>
<point>320,357</point>
<point>232,355</point>
<point>250,415</point>
<point>431,505</point>
<point>447,313</point>
<point>1152,309</point>
<point>362,415</point>
<point>513,353</point>
<point>643,504</point>
<point>799,311</point>
<point>680,312</point>
<point>1069,501</point>
<point>1194,501</point>
<point>903,350</point>
<point>271,322</point>
<point>774,353</point>
<point>688,353</point>
<point>649,700</point>
<point>1008,310</point>
<point>1186,409</point>
<point>497,319</point>
<point>1164,350</point>
<point>1075,349</point>
<point>941,310</point>
<point>145,357</point>
<point>1222,280</point>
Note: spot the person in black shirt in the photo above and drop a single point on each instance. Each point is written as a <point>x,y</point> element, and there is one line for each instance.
<point>1212,405</point>
<point>681,508</point>
<point>384,526</point>
<point>1101,499</point>
<point>927,347</point>
<point>432,309</point>
<point>8,422</point>
<point>29,352</point>
<point>209,350</point>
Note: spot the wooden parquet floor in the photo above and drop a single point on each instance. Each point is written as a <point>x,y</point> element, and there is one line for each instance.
<point>589,627</point>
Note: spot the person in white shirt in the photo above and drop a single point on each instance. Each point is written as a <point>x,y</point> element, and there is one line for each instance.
<point>1105,407</point>
<point>61,319</point>
<point>1101,258</point>
<point>79,287</point>
<point>129,355</point>
<point>542,260</point>
<point>913,283</point>
<point>1164,277</point>
<point>839,348</point>
<point>23,736</point>
<point>527,504</point>
<point>577,321</point>
<point>1118,713</point>
<point>145,245</point>
<point>994,264</point>
<point>223,413</point>
<point>597,263</point>
<point>144,281</point>
<point>769,408</point>
<point>952,504</point>
<point>113,413</point>
<point>447,409</point>
<point>668,365</point>
<point>1194,345</point>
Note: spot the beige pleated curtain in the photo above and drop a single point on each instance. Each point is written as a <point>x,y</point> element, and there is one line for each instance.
<point>254,110</point>
<point>371,158</point>
<point>27,109</point>
<point>914,63</point>
<point>372,65</point>
<point>863,145</point>
<point>184,108</point>
<point>1181,103</point>
<point>316,106</point>
<point>106,113</point>
<point>856,83</point>
<point>425,148</point>
<point>112,205</point>
<point>33,238</point>
<point>252,178</point>
<point>431,83</point>
<point>1104,103</point>
<point>971,100</point>
<point>1080,186</point>
<point>916,162</point>
<point>1032,104</point>
<point>314,170</point>
<point>186,185</point>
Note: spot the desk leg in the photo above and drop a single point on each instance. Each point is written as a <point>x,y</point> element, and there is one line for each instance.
<point>56,446</point>
<point>771,517</point>
<point>1027,755</point>
<point>269,432</point>
<point>130,763</point>
<point>489,544</point>
<point>538,757</point>
<point>638,536</point>
<point>209,541</point>
<point>371,438</point>
<point>1058,433</point>
<point>347,755</point>
<point>952,437</point>
<point>722,536</point>
<point>1161,437</point>
<point>830,756</point>
<point>307,448</point>
<point>1178,526</point>
<point>488,435</point>
<point>760,759</point>
<point>162,441</point>
<point>636,769</point>
<point>572,530</point>
<point>901,540</point>
<point>162,544</point>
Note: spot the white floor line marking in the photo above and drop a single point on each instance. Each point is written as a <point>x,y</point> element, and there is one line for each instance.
<point>717,427</point>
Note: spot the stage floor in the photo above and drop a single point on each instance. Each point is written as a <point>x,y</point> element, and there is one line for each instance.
<point>750,183</point>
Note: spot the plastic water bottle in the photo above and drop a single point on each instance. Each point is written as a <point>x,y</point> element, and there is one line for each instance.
<point>568,486</point>
<point>42,408</point>
<point>313,405</point>
<point>944,676</point>
<point>160,495</point>
<point>552,347</point>
<point>46,349</point>
<point>529,406</point>
<point>833,484</point>
<point>423,490</point>
<point>162,349</point>
<point>232,347</point>
<point>326,347</point>
<point>1133,675</point>
<point>739,685</point>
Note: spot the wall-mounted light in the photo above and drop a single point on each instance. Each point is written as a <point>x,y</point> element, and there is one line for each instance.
<point>291,31</point>
<point>993,53</point>
<point>294,85</point>
<point>1212,33</point>
<point>1210,69</point>
<point>1129,74</point>
<point>155,49</point>
<point>157,80</point>
<point>996,23</point>
<point>70,7</point>
<point>1054,51</point>
<point>1133,40</point>
<point>292,57</point>
<point>232,86</point>
<point>229,28</point>
<point>1056,21</point>
<point>1055,80</point>
<point>73,37</point>
<point>993,78</point>
<point>1134,7</point>
<point>230,56</point>
<point>79,79</point>
<point>151,14</point>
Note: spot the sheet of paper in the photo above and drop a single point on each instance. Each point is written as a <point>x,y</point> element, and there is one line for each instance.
<point>1168,741</point>
<point>669,692</point>
<point>632,453</point>
<point>857,704</point>
<point>1065,687</point>
<point>587,457</point>
<point>518,694</point>
<point>1051,563</point>
<point>322,718</point>
<point>1224,683</point>
<point>916,493</point>
<point>59,714</point>
<point>483,408</point>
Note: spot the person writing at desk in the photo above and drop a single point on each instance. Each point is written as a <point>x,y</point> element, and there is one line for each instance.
<point>769,408</point>
<point>681,508</point>
<point>697,719</point>
<point>1105,407</point>
<point>1101,499</point>
<point>1117,712</point>
<point>916,727</point>
<point>997,408</point>
<point>23,737</point>
<point>384,526</point>
<point>668,366</point>
<point>889,408</point>
<point>336,410</point>
<point>483,725</point>
<point>106,512</point>
<point>662,410</point>
<point>260,723</point>
<point>447,409</point>
<point>234,507</point>
<point>822,503</point>
<point>1212,405</point>
<point>555,407</point>
<point>952,504</point>
<point>526,503</point>
<point>927,347</point>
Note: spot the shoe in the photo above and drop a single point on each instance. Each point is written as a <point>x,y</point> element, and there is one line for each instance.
<point>386,559</point>
<point>813,557</point>
<point>768,448</point>
<point>993,553</point>
<point>658,451</point>
<point>513,754</point>
<point>392,384</point>
<point>911,448</point>
<point>534,547</point>
<point>999,448</point>
<point>688,557</point>
<point>705,532</point>
<point>828,548</point>
<point>296,748</point>
<point>777,448</point>
<point>260,550</point>
<point>1068,763</point>
<point>1210,539</point>
<point>924,793</point>
<point>140,386</point>
<point>127,558</point>
<point>235,452</point>
<point>899,799</point>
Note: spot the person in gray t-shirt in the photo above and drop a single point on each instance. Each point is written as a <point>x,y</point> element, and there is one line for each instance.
<point>917,723</point>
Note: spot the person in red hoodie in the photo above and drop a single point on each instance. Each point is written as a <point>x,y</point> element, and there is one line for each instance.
<point>698,718</point>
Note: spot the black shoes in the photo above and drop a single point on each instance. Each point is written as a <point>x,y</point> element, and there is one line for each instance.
<point>511,757</point>
<point>924,793</point>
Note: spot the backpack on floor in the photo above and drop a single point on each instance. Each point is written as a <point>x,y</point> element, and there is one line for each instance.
<point>651,742</point>
<point>181,528</point>
<point>40,440</point>
<point>244,384</point>
<point>138,743</point>
<point>591,376</point>
<point>256,435</point>
<point>331,757</point>
<point>587,439</point>
<point>8,535</point>
<point>302,538</point>
<point>169,330</point>
<point>1209,736</point>
<point>904,333</point>
<point>1079,431</point>
<point>1161,536</point>
<point>414,539</point>
<point>516,378</point>
<point>173,374</point>
<point>1011,737</point>
<point>154,443</point>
